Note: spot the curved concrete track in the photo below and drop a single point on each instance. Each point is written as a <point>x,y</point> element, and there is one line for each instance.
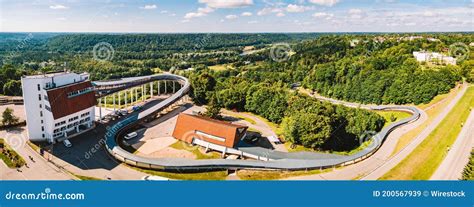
<point>283,161</point>
<point>383,160</point>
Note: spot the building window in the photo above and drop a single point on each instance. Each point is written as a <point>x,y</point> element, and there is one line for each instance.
<point>39,87</point>
<point>43,135</point>
<point>41,106</point>
<point>42,121</point>
<point>41,113</point>
<point>42,128</point>
<point>47,108</point>
<point>39,97</point>
<point>46,98</point>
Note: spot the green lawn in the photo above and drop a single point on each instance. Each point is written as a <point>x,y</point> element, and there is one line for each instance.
<point>212,175</point>
<point>388,115</point>
<point>275,127</point>
<point>221,67</point>
<point>247,119</point>
<point>180,145</point>
<point>11,158</point>
<point>82,177</point>
<point>426,158</point>
<point>275,174</point>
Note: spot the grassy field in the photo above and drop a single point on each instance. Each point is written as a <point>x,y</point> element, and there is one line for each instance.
<point>397,115</point>
<point>179,145</point>
<point>276,175</point>
<point>275,127</point>
<point>213,175</point>
<point>247,119</point>
<point>82,177</point>
<point>221,67</point>
<point>11,158</point>
<point>426,158</point>
<point>432,109</point>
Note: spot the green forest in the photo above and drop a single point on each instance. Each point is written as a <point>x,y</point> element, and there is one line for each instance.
<point>365,68</point>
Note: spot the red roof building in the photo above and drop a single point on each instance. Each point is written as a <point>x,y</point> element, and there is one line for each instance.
<point>189,127</point>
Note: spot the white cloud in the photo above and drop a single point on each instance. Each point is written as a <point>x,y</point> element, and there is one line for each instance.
<point>58,6</point>
<point>322,15</point>
<point>205,10</point>
<point>164,12</point>
<point>252,22</point>
<point>200,13</point>
<point>151,6</point>
<point>61,19</point>
<point>355,11</point>
<point>231,17</point>
<point>246,14</point>
<point>281,14</point>
<point>191,15</point>
<point>227,3</point>
<point>293,8</point>
<point>428,14</point>
<point>269,10</point>
<point>324,2</point>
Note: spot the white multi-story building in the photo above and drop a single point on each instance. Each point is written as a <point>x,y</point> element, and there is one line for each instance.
<point>58,105</point>
<point>434,56</point>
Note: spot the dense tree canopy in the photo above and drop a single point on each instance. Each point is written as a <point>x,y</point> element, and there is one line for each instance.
<point>366,68</point>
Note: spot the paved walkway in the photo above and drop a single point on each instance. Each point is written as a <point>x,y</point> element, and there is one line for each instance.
<point>39,169</point>
<point>458,156</point>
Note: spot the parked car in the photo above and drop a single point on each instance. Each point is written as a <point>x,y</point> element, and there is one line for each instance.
<point>130,135</point>
<point>67,143</point>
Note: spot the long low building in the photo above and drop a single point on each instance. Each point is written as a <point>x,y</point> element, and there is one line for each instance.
<point>189,127</point>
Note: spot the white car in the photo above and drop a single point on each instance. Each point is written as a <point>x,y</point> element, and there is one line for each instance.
<point>67,143</point>
<point>130,135</point>
<point>154,178</point>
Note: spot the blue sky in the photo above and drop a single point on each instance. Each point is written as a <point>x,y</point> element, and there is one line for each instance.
<point>166,16</point>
